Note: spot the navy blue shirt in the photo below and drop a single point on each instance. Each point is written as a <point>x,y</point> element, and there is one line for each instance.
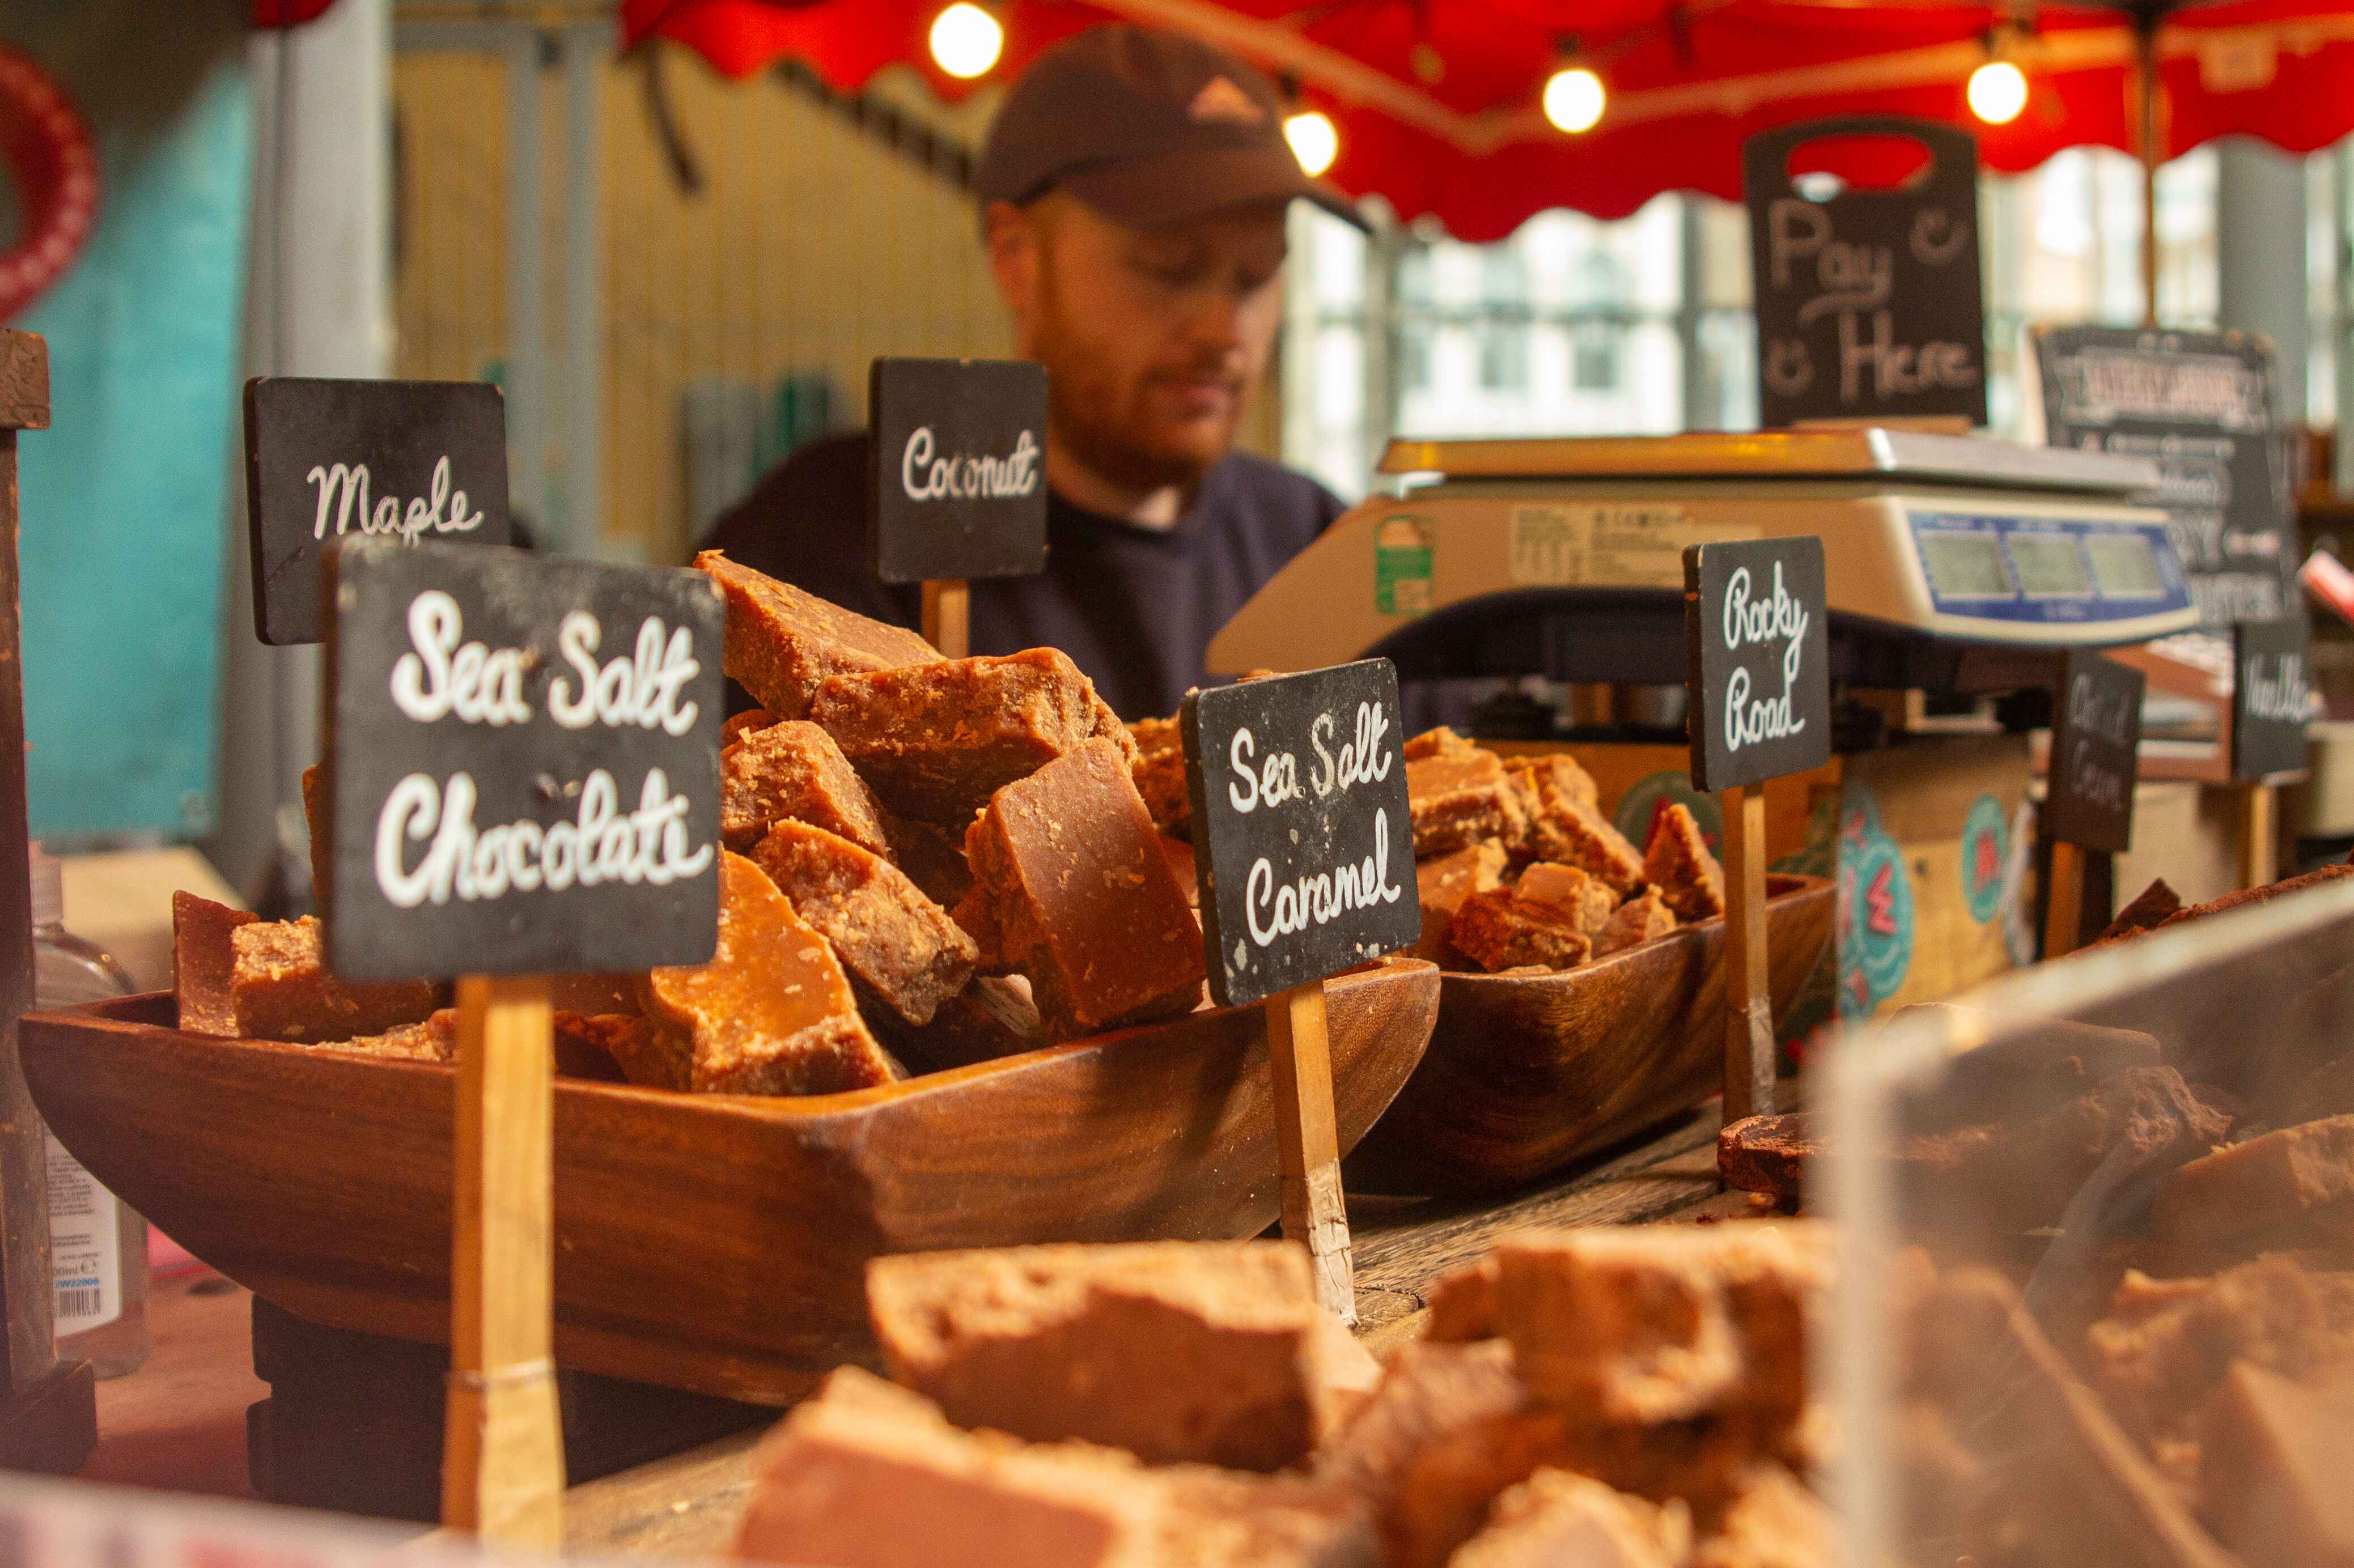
<point>1135,607</point>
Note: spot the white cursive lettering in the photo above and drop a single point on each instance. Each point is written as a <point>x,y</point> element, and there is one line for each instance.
<point>964,477</point>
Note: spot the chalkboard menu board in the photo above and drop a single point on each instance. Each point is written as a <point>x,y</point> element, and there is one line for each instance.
<point>2200,405</point>
<point>958,486</point>
<point>523,760</point>
<point>1869,300</point>
<point>1758,641</point>
<point>2096,753</point>
<point>326,460</point>
<point>1303,840</point>
<point>2269,701</point>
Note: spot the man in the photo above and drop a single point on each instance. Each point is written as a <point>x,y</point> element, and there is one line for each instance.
<point>1133,196</point>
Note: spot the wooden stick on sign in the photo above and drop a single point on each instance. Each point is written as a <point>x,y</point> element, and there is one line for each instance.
<point>2258,840</point>
<point>503,1450</point>
<point>948,616</point>
<point>1749,1050</point>
<point>1309,1143</point>
<point>2064,916</point>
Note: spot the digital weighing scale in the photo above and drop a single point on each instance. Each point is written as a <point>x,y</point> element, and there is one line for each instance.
<point>1948,557</point>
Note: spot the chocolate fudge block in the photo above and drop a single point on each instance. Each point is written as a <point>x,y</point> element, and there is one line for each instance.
<point>1677,863</point>
<point>1445,882</point>
<point>1440,742</point>
<point>1643,918</point>
<point>2273,1459</point>
<point>203,963</point>
<point>280,990</point>
<point>1569,832</point>
<point>1053,1343</point>
<point>1558,1520</point>
<point>585,1043</point>
<point>1459,798</point>
<point>2147,910</point>
<point>771,1013</point>
<point>1084,899</point>
<point>794,771</point>
<point>1583,898</point>
<point>987,1020</point>
<point>1159,773</point>
<point>2270,1180</point>
<point>897,943</point>
<point>1500,930</point>
<point>936,740</point>
<point>1768,1154</point>
<point>781,643</point>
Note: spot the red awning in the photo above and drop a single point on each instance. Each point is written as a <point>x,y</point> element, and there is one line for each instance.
<point>1436,101</point>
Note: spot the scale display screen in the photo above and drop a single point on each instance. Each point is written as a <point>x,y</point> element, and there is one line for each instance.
<point>2048,564</point>
<point>2124,566</point>
<point>2047,570</point>
<point>1966,565</point>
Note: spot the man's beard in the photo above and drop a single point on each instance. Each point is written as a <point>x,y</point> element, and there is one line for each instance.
<point>1085,405</point>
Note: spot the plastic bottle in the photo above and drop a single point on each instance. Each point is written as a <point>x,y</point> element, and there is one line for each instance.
<point>98,1244</point>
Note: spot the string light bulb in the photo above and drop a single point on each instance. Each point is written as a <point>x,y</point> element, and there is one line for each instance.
<point>1315,140</point>
<point>1574,99</point>
<point>966,40</point>
<point>1998,91</point>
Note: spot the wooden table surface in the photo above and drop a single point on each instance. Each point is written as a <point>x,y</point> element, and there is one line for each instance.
<point>178,1424</point>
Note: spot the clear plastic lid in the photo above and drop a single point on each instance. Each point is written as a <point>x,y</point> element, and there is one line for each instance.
<point>49,887</point>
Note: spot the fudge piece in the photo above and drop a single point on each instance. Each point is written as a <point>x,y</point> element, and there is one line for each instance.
<point>1440,742</point>
<point>781,643</point>
<point>1427,1391</point>
<point>1220,1519</point>
<point>2147,910</point>
<point>1052,1343</point>
<point>990,1018</point>
<point>315,821</point>
<point>1653,1323</point>
<point>1773,1522</point>
<point>977,918</point>
<point>2273,1456</point>
<point>933,858</point>
<point>203,963</point>
<point>2165,1345</point>
<point>2247,896</point>
<point>735,726</point>
<point>433,1039</point>
<point>2022,1176</point>
<point>1640,919</point>
<point>1568,831</point>
<point>1159,773</point>
<point>794,771</point>
<point>280,990</point>
<point>1538,778</point>
<point>1583,898</point>
<point>590,1044</point>
<point>771,1013</point>
<point>1500,930</point>
<point>1768,1154</point>
<point>936,740</point>
<point>1459,798</point>
<point>1557,1519</point>
<point>1677,863</point>
<point>2277,1178</point>
<point>899,944</point>
<point>1083,898</point>
<point>1445,882</point>
<point>1182,865</point>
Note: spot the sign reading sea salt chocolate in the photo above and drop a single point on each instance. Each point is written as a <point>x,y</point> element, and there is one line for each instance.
<point>326,460</point>
<point>2268,698</point>
<point>957,486</point>
<point>1759,651</point>
<point>2096,744</point>
<point>1303,840</point>
<point>523,760</point>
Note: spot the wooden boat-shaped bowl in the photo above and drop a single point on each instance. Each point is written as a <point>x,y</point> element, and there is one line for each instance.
<point>1525,1073</point>
<point>714,1243</point>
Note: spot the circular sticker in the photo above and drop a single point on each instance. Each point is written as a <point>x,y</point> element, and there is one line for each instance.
<point>1875,908</point>
<point>1986,856</point>
<point>1647,797</point>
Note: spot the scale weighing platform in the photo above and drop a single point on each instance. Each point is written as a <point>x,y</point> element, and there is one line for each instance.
<point>1947,557</point>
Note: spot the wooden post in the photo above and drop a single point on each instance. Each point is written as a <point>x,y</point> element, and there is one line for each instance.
<point>502,1451</point>
<point>948,616</point>
<point>1749,1053</point>
<point>1309,1143</point>
<point>2064,915</point>
<point>2258,835</point>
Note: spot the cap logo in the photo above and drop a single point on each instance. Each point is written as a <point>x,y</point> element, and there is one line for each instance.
<point>1220,99</point>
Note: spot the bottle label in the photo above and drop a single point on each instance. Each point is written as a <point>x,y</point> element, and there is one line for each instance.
<point>85,1246</point>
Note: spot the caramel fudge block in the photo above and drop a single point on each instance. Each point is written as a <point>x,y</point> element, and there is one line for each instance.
<point>1440,742</point>
<point>735,726</point>
<point>1569,832</point>
<point>1585,899</point>
<point>977,918</point>
<point>1053,1343</point>
<point>434,1040</point>
<point>1459,798</point>
<point>2164,1347</point>
<point>899,945</point>
<point>203,963</point>
<point>1557,1519</point>
<point>280,988</point>
<point>1222,1518</point>
<point>1083,898</point>
<point>1773,1522</point>
<point>1159,773</point>
<point>1640,919</point>
<point>1498,930</point>
<point>2273,1458</point>
<point>315,823</point>
<point>1445,882</point>
<point>794,771</point>
<point>1179,857</point>
<point>1538,778</point>
<point>771,1013</point>
<point>780,642</point>
<point>936,740</point>
<point>2279,1177</point>
<point>1677,863</point>
<point>1427,1391</point>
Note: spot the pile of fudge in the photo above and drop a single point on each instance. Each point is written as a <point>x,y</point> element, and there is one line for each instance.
<point>1634,1397</point>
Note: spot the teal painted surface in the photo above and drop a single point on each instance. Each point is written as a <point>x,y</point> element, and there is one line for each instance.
<point>124,531</point>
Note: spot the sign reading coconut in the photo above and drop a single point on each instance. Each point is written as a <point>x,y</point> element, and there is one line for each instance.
<point>958,485</point>
<point>1759,653</point>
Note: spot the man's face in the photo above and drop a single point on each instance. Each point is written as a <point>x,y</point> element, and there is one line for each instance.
<point>1152,341</point>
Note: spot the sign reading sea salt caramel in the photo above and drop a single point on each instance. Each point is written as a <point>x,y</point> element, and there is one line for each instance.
<point>1303,840</point>
<point>328,460</point>
<point>524,762</point>
<point>957,486</point>
<point>2095,747</point>
<point>1759,649</point>
<point>2268,698</point>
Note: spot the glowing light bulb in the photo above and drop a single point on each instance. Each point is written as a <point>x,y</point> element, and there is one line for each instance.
<point>1574,100</point>
<point>1314,140</point>
<point>1998,93</point>
<point>966,40</point>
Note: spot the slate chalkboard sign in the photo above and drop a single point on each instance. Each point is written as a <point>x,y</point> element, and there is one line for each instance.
<point>524,764</point>
<point>957,486</point>
<point>1869,302</point>
<point>337,460</point>
<point>1758,644</point>
<point>2096,753</point>
<point>2200,405</point>
<point>1302,837</point>
<point>2268,698</point>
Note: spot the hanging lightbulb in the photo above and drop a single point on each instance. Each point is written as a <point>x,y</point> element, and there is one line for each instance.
<point>966,40</point>
<point>1315,141</point>
<point>1998,91</point>
<point>1574,98</point>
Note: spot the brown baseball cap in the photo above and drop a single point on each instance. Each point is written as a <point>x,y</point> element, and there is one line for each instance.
<point>1150,129</point>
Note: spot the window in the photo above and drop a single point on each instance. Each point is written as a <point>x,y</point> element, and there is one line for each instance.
<point>1503,320</point>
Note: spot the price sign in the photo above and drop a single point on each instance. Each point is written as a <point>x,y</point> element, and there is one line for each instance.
<point>525,764</point>
<point>1758,647</point>
<point>958,456</point>
<point>2268,698</point>
<point>328,460</point>
<point>2096,752</point>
